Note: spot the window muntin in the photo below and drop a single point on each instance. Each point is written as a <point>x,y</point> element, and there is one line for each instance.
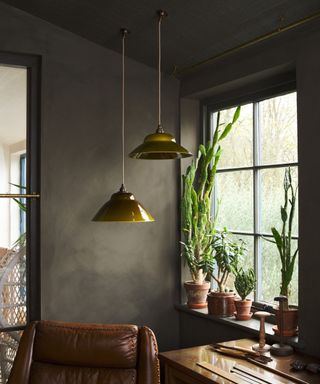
<point>249,184</point>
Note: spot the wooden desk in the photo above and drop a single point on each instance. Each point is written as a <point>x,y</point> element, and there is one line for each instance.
<point>181,365</point>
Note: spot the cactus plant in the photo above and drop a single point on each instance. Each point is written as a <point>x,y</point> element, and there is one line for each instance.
<point>198,224</point>
<point>245,282</point>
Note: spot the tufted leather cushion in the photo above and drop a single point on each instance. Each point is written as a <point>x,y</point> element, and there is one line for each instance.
<point>86,345</point>
<point>60,374</point>
<point>72,353</point>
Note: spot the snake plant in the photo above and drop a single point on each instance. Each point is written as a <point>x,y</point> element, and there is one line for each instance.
<point>198,225</point>
<point>283,239</point>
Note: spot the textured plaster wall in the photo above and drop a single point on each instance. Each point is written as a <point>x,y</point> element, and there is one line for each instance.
<point>100,272</point>
<point>299,50</point>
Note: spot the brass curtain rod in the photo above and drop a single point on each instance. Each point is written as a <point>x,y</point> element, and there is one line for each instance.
<point>249,43</point>
<point>19,195</point>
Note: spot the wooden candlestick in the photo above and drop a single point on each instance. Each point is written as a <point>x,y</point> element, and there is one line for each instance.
<point>262,346</point>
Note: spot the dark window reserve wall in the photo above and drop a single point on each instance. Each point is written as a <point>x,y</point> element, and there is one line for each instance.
<point>206,331</point>
<point>290,58</point>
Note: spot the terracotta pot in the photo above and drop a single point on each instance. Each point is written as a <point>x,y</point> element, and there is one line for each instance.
<point>290,322</point>
<point>243,309</point>
<point>197,294</point>
<point>221,304</point>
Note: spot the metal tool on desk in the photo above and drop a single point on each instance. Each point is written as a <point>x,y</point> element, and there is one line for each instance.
<point>281,349</point>
<point>239,374</point>
<point>280,373</point>
<point>242,353</point>
<point>255,376</point>
<point>255,358</point>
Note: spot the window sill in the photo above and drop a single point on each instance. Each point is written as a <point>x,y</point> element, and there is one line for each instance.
<point>251,326</point>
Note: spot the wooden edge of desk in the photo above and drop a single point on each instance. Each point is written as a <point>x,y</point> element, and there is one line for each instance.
<point>185,360</point>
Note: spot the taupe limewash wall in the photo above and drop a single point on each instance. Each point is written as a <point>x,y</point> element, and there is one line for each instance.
<point>297,50</point>
<point>100,272</point>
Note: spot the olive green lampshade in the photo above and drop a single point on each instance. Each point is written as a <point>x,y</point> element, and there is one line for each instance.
<point>123,207</point>
<point>159,145</point>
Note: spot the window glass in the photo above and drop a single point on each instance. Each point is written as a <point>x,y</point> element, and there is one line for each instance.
<point>272,198</point>
<point>278,129</point>
<point>234,196</point>
<point>248,201</point>
<point>271,273</point>
<point>13,109</point>
<point>237,146</point>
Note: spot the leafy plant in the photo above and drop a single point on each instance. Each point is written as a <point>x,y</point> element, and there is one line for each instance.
<point>227,254</point>
<point>283,239</point>
<point>245,282</point>
<point>197,224</point>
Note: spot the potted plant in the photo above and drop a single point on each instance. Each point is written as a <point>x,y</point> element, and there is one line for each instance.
<point>244,284</point>
<point>227,254</point>
<point>283,241</point>
<point>197,223</point>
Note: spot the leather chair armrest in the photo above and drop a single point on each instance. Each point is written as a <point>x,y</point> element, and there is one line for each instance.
<point>148,368</point>
<point>21,369</point>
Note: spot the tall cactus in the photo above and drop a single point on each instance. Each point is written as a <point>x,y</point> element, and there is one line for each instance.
<point>197,222</point>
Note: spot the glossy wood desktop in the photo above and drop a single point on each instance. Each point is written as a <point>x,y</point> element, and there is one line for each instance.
<point>181,365</point>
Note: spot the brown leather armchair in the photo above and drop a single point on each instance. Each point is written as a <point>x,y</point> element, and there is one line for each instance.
<point>70,353</point>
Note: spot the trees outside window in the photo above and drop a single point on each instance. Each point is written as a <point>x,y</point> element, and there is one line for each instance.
<point>249,184</point>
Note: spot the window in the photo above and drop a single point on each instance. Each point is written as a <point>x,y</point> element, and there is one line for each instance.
<point>19,203</point>
<point>249,184</point>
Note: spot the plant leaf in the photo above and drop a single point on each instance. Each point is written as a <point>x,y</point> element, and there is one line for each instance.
<point>225,131</point>
<point>18,186</point>
<point>236,114</point>
<point>277,238</point>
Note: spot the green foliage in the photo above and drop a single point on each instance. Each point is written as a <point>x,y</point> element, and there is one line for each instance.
<point>22,206</point>
<point>227,254</point>
<point>22,239</point>
<point>283,239</point>
<point>245,282</point>
<point>197,224</point>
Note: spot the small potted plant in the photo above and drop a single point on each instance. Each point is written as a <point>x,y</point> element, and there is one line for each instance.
<point>197,223</point>
<point>244,284</point>
<point>283,241</point>
<point>227,254</point>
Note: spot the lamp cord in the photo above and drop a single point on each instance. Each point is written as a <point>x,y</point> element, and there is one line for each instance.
<point>160,129</point>
<point>159,71</point>
<point>123,90</point>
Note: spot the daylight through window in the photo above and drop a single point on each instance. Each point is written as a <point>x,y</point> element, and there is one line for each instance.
<point>249,184</point>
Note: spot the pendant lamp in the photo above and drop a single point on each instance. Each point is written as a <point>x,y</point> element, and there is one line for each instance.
<point>159,145</point>
<point>122,206</point>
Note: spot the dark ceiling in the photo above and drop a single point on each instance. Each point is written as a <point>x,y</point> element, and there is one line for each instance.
<point>194,30</point>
